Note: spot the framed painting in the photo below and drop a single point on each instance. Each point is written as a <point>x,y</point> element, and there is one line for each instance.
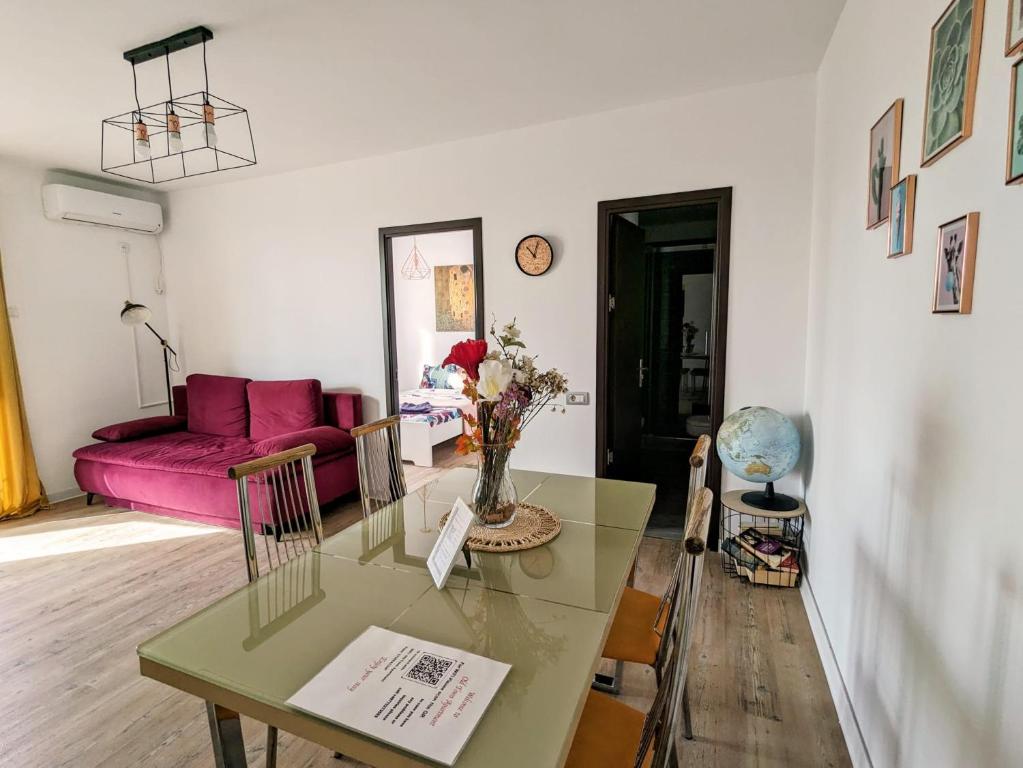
<point>952,78</point>
<point>885,150</point>
<point>454,297</point>
<point>1014,29</point>
<point>900,225</point>
<point>1014,157</point>
<point>953,273</point>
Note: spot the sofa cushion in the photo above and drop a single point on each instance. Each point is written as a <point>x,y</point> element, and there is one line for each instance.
<point>133,430</point>
<point>278,407</point>
<point>185,452</point>
<point>217,405</point>
<point>326,439</point>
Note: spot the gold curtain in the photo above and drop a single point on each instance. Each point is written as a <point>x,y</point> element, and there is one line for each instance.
<point>21,493</point>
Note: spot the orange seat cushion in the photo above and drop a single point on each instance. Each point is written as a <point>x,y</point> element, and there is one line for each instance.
<point>632,636</point>
<point>608,735</point>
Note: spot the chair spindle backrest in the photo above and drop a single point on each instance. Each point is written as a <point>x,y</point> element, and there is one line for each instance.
<point>277,493</point>
<point>662,721</point>
<point>697,475</point>
<point>381,474</point>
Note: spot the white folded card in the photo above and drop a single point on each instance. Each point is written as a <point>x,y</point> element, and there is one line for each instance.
<point>422,697</point>
<point>449,543</point>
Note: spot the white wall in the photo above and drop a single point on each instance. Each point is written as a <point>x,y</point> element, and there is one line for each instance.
<point>66,284</point>
<point>417,339</point>
<point>279,276</point>
<point>914,489</point>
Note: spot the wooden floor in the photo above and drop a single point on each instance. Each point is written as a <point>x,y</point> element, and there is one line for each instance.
<point>81,587</point>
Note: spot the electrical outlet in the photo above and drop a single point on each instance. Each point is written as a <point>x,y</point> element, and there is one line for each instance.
<point>577,398</point>
<point>13,311</point>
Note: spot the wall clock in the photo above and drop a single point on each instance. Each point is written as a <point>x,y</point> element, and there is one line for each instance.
<point>534,255</point>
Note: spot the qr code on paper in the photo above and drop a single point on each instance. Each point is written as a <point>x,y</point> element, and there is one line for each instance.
<point>429,670</point>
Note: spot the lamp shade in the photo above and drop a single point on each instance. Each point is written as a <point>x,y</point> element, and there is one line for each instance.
<point>135,314</point>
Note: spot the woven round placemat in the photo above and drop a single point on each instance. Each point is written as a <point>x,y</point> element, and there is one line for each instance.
<point>533,525</point>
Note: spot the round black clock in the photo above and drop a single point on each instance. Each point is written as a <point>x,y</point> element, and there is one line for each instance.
<point>534,255</point>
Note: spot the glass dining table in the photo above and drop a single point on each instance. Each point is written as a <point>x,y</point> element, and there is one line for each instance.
<point>545,611</point>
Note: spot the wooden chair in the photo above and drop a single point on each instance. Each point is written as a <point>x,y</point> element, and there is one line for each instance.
<point>614,735</point>
<point>381,474</point>
<point>637,633</point>
<point>278,493</point>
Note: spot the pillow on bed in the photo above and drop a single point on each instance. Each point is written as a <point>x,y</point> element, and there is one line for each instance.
<point>442,377</point>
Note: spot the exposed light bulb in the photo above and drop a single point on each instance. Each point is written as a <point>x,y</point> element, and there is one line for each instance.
<point>207,124</point>
<point>142,140</point>
<point>174,145</point>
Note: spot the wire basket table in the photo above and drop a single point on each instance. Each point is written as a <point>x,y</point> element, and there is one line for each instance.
<point>761,546</point>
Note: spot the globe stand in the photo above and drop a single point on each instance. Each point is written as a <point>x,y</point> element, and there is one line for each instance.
<point>770,501</point>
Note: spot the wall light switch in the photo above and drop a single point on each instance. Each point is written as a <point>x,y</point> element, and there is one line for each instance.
<point>577,398</point>
<point>13,311</point>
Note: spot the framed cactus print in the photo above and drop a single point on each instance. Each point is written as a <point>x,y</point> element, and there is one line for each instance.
<point>1014,28</point>
<point>952,78</point>
<point>1014,158</point>
<point>900,225</point>
<point>953,272</point>
<point>883,165</point>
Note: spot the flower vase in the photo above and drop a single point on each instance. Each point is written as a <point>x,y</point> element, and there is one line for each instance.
<point>493,496</point>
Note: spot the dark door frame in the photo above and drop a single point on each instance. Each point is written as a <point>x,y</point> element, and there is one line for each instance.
<point>605,210</point>
<point>387,287</point>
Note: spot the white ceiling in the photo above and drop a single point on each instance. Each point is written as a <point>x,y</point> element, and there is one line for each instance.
<point>332,80</point>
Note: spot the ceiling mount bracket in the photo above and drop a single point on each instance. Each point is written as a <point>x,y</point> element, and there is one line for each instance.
<point>178,42</point>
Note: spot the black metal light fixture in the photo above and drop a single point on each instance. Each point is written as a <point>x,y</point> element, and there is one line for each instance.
<point>181,137</point>
<point>140,314</point>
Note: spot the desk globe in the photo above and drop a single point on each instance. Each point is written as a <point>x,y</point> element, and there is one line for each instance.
<point>760,445</point>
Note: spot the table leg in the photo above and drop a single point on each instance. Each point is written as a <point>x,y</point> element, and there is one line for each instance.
<point>226,733</point>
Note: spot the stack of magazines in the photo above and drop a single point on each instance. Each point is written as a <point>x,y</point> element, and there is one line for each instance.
<point>763,558</point>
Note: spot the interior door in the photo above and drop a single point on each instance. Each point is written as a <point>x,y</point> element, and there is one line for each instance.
<point>630,373</point>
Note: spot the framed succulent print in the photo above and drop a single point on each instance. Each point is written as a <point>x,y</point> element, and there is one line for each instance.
<point>952,77</point>
<point>953,273</point>
<point>900,225</point>
<point>883,168</point>
<point>1014,158</point>
<point>1014,28</point>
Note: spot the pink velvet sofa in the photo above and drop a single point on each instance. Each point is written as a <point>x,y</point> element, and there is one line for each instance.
<point>177,465</point>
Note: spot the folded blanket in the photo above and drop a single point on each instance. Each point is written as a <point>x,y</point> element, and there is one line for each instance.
<point>416,407</point>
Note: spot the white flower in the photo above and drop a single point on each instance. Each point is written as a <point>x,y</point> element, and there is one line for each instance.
<point>495,376</point>
<point>511,331</point>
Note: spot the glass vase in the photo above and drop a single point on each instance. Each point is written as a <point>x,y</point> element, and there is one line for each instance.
<point>493,496</point>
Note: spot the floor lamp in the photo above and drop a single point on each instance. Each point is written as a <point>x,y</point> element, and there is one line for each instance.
<point>139,314</point>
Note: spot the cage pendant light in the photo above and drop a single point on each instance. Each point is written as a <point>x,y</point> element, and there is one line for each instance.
<point>415,266</point>
<point>184,136</point>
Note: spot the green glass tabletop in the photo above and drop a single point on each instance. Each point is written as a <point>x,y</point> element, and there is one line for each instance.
<point>580,567</point>
<point>545,611</point>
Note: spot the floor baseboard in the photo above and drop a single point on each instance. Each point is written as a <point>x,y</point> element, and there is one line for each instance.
<point>855,743</point>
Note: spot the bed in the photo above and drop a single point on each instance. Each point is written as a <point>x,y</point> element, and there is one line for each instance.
<point>431,414</point>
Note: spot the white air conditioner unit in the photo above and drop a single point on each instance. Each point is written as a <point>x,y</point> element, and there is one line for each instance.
<point>64,203</point>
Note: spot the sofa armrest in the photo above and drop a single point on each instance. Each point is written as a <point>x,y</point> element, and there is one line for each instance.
<point>133,430</point>
<point>342,409</point>
<point>180,398</point>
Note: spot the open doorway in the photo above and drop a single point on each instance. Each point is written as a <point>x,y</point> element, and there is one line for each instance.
<point>432,277</point>
<point>662,313</point>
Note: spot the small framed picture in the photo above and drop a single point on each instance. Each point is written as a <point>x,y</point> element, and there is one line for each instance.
<point>1014,28</point>
<point>1014,157</point>
<point>900,226</point>
<point>883,166</point>
<point>952,69</point>
<point>953,273</point>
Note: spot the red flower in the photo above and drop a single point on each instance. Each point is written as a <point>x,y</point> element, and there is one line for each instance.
<point>468,355</point>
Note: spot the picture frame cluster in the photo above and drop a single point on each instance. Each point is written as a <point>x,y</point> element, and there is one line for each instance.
<point>952,73</point>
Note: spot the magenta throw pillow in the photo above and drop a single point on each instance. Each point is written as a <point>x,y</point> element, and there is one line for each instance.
<point>217,405</point>
<point>279,407</point>
<point>133,430</point>
<point>326,440</point>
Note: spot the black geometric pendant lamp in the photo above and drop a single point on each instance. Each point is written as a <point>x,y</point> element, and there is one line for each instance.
<point>181,136</point>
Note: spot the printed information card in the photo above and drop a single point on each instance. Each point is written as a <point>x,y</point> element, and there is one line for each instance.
<point>450,542</point>
<point>420,696</point>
